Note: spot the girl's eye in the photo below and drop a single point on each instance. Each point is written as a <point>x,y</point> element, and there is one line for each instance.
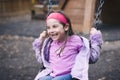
<point>54,26</point>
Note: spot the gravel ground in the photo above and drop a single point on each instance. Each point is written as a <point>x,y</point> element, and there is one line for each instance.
<point>17,59</point>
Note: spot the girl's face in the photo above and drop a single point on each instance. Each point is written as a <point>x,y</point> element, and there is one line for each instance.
<point>56,30</point>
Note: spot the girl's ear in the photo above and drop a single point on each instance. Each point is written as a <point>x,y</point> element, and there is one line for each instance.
<point>66,27</point>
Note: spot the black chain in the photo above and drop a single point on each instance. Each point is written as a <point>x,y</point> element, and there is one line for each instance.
<point>97,17</point>
<point>50,5</point>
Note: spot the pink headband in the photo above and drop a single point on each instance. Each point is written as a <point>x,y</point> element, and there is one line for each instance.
<point>57,16</point>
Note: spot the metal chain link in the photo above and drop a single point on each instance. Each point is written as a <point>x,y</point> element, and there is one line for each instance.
<point>97,17</point>
<point>50,5</point>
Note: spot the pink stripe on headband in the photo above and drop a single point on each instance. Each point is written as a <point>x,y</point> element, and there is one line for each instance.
<point>60,17</point>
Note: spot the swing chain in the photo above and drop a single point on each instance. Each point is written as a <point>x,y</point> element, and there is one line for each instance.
<point>50,5</point>
<point>97,16</point>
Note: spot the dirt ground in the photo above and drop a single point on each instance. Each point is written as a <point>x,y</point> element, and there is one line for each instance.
<point>17,59</point>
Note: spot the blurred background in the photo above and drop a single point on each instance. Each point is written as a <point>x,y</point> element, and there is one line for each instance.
<point>21,21</point>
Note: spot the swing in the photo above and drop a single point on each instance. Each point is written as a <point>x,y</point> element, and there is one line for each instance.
<point>83,56</point>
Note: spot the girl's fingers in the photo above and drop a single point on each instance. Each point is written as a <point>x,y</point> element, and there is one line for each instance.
<point>43,35</point>
<point>94,31</point>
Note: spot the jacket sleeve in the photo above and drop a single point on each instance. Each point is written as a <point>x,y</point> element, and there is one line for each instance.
<point>95,47</point>
<point>37,45</point>
<point>81,66</point>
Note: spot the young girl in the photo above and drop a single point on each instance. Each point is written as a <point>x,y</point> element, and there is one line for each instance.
<point>65,55</point>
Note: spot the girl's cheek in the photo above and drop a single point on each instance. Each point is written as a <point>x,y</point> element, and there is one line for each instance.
<point>58,29</point>
<point>47,31</point>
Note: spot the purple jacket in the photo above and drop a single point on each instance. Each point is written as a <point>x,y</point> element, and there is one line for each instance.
<point>89,52</point>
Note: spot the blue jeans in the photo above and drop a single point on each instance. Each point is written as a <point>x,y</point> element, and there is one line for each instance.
<point>63,77</point>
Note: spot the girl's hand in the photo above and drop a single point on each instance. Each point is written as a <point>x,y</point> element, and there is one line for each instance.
<point>94,31</point>
<point>96,36</point>
<point>43,35</point>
